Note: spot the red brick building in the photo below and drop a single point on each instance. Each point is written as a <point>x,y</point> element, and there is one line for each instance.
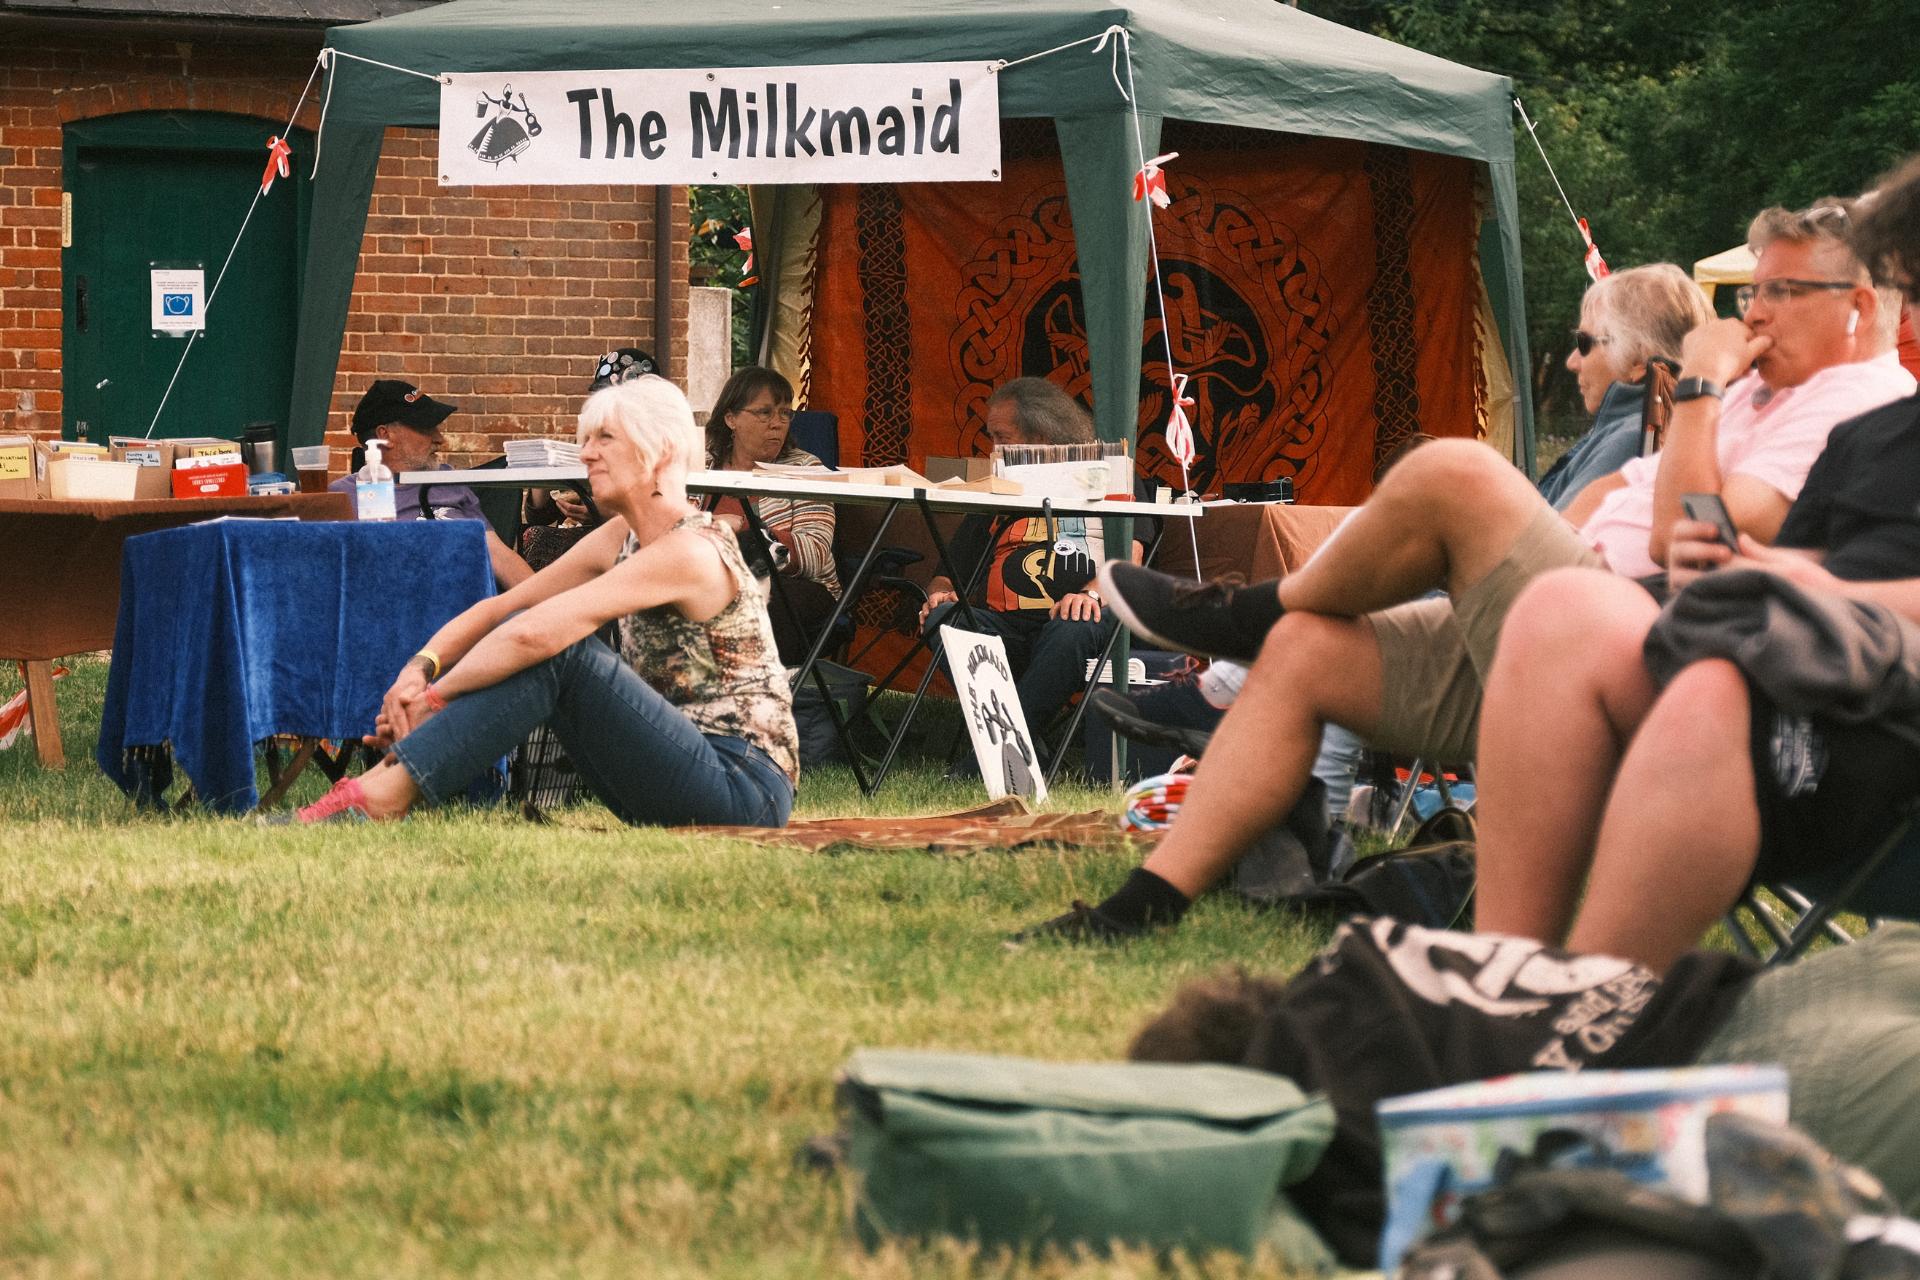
<point>132,138</point>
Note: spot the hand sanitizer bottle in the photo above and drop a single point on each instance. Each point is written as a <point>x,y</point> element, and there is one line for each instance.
<point>373,487</point>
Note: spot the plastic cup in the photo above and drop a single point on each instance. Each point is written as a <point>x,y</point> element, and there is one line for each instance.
<point>311,462</point>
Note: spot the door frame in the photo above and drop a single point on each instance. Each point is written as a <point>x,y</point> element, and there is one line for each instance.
<point>173,131</point>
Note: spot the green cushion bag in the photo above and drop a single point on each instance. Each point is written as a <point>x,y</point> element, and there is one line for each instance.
<point>1014,1152</point>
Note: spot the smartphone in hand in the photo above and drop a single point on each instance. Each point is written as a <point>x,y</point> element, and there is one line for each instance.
<point>1708,508</point>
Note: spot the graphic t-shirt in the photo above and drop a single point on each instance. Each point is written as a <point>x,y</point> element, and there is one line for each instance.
<point>1037,561</point>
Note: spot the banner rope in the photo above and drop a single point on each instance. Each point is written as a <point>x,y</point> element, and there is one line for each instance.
<point>1596,265</point>
<point>214,292</point>
<point>1123,50</point>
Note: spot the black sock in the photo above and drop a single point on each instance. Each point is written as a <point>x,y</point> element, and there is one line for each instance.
<point>1256,607</point>
<point>1145,899</point>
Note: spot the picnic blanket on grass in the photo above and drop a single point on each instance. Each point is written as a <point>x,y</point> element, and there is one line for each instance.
<point>1002,825</point>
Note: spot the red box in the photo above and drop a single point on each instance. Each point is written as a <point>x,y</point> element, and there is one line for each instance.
<point>211,482</point>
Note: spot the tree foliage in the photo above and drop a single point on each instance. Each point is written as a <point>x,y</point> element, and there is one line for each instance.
<point>1669,124</point>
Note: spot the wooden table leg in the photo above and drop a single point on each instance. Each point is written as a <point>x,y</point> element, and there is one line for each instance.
<point>44,715</point>
<point>283,778</point>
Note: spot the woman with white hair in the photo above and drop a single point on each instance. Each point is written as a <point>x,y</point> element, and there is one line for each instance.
<point>1627,320</point>
<point>689,721</point>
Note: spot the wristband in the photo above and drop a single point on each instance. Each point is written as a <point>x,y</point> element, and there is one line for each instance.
<point>434,699</point>
<point>1696,389</point>
<point>433,661</point>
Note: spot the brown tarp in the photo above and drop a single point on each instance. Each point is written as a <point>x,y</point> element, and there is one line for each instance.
<point>60,574</point>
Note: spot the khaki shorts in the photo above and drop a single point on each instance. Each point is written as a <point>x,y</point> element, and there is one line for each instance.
<point>1435,654</point>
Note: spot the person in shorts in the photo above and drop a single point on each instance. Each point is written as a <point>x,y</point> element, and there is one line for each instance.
<point>1336,641</point>
<point>1625,816</point>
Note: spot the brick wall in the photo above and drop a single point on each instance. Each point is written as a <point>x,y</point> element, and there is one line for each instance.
<point>497,298</point>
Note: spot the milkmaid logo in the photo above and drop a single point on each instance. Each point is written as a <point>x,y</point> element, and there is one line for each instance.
<point>413,396</point>
<point>510,127</point>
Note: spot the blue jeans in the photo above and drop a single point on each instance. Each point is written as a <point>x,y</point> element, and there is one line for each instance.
<point>633,747</point>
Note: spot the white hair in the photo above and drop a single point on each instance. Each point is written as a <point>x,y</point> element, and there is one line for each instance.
<point>653,414</point>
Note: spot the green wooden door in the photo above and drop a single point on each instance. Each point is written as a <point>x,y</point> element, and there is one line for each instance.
<point>171,189</point>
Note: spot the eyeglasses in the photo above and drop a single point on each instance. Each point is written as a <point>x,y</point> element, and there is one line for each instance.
<point>1775,292</point>
<point>769,414</point>
<point>1585,342</point>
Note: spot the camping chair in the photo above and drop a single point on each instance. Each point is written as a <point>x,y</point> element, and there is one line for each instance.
<point>1782,924</point>
<point>1657,412</point>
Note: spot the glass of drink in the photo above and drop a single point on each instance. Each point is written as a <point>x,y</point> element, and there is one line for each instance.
<point>311,462</point>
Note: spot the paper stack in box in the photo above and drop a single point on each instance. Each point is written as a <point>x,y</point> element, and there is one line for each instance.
<point>542,451</point>
<point>74,471</point>
<point>208,469</point>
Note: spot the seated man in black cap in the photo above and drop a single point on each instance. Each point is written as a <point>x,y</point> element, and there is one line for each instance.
<point>407,421</point>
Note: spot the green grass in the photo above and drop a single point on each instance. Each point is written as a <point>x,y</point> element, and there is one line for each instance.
<point>469,1045</point>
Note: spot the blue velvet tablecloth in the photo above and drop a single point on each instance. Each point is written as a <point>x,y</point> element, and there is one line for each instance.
<point>235,630</point>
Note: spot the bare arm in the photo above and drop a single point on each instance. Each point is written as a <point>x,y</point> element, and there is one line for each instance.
<point>1718,352</point>
<point>508,568</point>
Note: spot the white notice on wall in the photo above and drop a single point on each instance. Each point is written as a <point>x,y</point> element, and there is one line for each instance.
<point>893,122</point>
<point>983,679</point>
<point>179,299</point>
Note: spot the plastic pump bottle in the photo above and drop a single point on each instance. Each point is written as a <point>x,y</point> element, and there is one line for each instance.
<point>373,486</point>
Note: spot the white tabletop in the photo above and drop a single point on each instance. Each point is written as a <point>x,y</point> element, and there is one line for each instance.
<point>752,485</point>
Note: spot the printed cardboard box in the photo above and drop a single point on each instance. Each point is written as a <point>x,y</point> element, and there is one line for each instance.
<point>154,458</point>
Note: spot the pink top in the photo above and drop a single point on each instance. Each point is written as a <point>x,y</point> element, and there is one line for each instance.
<point>1774,441</point>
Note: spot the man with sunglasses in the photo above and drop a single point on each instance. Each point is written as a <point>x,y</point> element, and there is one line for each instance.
<point>1347,639</point>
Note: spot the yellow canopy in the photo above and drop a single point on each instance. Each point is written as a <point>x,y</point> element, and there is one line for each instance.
<point>1733,266</point>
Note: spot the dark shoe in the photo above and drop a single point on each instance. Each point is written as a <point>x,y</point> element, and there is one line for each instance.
<point>1129,722</point>
<point>1190,617</point>
<point>1084,923</point>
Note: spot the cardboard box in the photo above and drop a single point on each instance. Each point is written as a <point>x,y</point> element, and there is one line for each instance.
<point>16,467</point>
<point>201,447</point>
<point>46,451</point>
<point>73,477</point>
<point>210,480</point>
<point>153,458</point>
<point>965,470</point>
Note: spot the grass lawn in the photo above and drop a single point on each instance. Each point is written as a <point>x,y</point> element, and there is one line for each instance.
<point>469,1045</point>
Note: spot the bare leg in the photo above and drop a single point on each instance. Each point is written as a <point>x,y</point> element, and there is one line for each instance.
<point>1566,693</point>
<point>1444,517</point>
<point>389,789</point>
<point>1682,830</point>
<point>1311,670</point>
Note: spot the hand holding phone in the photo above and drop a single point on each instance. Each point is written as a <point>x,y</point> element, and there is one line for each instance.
<point>1709,509</point>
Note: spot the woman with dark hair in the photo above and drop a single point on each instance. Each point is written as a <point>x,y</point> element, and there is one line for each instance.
<point>748,426</point>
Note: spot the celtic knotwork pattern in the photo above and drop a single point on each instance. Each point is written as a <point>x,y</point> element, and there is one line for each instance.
<point>883,303</point>
<point>1390,323</point>
<point>1247,310</point>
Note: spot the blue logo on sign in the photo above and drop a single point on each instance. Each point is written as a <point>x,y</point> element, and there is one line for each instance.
<point>176,304</point>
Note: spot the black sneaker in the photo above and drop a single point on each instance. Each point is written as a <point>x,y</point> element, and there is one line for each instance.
<point>1190,617</point>
<point>1084,923</point>
<point>1127,721</point>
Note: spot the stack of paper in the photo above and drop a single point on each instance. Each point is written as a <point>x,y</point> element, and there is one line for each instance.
<point>1136,672</point>
<point>542,451</point>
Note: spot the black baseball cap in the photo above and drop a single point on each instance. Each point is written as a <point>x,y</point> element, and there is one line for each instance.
<point>391,400</point>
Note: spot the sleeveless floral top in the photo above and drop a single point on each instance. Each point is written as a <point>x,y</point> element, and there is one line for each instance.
<point>723,674</point>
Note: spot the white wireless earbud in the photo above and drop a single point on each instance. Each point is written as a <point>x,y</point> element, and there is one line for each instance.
<point>1853,321</point>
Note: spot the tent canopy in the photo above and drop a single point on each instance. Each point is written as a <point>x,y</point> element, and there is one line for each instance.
<point>1247,63</point>
<point>1730,266</point>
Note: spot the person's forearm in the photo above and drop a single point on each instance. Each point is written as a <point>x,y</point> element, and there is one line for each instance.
<point>456,638</point>
<point>514,645</point>
<point>1689,463</point>
<point>508,568</point>
<point>1901,595</point>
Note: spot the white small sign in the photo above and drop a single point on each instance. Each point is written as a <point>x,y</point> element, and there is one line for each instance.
<point>1009,761</point>
<point>179,299</point>
<point>880,122</point>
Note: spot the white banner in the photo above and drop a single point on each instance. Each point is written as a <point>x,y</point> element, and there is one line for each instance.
<point>881,122</point>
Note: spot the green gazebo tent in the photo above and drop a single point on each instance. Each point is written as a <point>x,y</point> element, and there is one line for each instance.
<point>1249,63</point>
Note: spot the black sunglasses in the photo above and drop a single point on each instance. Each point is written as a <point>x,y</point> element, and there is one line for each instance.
<point>1585,342</point>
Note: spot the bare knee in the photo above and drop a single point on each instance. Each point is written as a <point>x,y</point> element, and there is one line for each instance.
<point>1454,472</point>
<point>1712,687</point>
<point>1579,617</point>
